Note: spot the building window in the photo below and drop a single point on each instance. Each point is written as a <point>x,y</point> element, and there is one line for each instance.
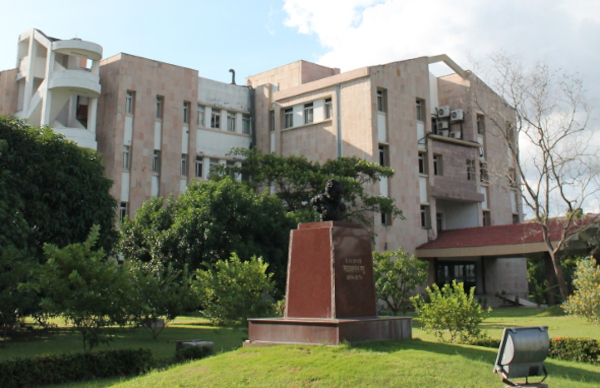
<point>425,216</point>
<point>186,112</point>
<point>129,102</point>
<point>516,219</point>
<point>308,113</point>
<point>487,218</point>
<point>288,115</point>
<point>422,159</point>
<point>230,166</point>
<point>156,161</point>
<point>328,108</point>
<point>383,156</point>
<point>212,165</point>
<point>123,210</point>
<point>420,110</point>
<point>246,124</point>
<point>512,177</point>
<point>380,101</point>
<point>199,166</point>
<point>231,121</point>
<point>215,118</point>
<point>439,221</point>
<point>200,115</point>
<point>480,124</point>
<point>126,157</point>
<point>437,165</point>
<point>184,164</point>
<point>483,173</point>
<point>386,219</point>
<point>470,169</point>
<point>159,107</point>
<point>272,121</point>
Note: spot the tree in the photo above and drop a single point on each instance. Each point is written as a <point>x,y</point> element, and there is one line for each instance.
<point>585,300</point>
<point>51,190</point>
<point>17,301</point>
<point>206,224</point>
<point>548,135</point>
<point>80,284</point>
<point>451,311</point>
<point>233,291</point>
<point>396,275</point>
<point>160,291</point>
<point>297,180</point>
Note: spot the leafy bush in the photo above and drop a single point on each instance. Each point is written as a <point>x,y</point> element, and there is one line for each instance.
<point>451,311</point>
<point>486,342</point>
<point>232,291</point>
<point>397,274</point>
<point>189,353</point>
<point>585,300</point>
<point>64,368</point>
<point>575,349</point>
<point>84,287</point>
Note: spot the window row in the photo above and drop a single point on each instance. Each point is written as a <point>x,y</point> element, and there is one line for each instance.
<point>230,122</point>
<point>307,113</point>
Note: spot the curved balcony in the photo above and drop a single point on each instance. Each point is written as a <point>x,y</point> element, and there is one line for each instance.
<point>83,137</point>
<point>78,48</point>
<point>79,82</point>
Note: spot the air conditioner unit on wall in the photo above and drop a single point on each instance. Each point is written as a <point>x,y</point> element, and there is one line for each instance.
<point>443,132</point>
<point>443,111</point>
<point>442,125</point>
<point>456,115</point>
<point>455,135</point>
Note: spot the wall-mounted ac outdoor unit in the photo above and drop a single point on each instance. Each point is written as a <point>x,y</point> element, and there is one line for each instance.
<point>443,111</point>
<point>443,132</point>
<point>456,115</point>
<point>455,135</point>
<point>442,125</point>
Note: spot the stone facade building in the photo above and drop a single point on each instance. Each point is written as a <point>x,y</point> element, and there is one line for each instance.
<point>161,126</point>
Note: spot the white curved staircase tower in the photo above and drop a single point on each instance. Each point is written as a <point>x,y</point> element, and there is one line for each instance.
<point>59,85</point>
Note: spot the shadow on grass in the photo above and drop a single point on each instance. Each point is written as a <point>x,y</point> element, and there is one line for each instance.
<point>488,355</point>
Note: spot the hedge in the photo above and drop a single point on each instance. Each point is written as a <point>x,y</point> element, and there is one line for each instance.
<point>575,349</point>
<point>566,348</point>
<point>64,368</point>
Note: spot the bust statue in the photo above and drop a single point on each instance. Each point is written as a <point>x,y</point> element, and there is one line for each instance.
<point>329,204</point>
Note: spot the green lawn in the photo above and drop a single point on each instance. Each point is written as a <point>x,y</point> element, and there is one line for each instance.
<point>420,362</point>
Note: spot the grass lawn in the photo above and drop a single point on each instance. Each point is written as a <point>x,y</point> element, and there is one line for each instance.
<point>421,362</point>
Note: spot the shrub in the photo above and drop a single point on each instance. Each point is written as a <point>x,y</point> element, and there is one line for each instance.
<point>397,274</point>
<point>64,368</point>
<point>575,349</point>
<point>189,353</point>
<point>451,311</point>
<point>232,291</point>
<point>585,300</point>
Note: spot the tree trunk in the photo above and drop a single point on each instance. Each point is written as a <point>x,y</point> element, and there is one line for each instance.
<point>560,276</point>
<point>551,277</point>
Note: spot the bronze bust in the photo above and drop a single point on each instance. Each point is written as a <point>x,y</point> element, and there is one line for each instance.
<point>329,204</point>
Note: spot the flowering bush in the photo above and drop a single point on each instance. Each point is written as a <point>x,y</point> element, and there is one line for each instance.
<point>585,300</point>
<point>452,312</point>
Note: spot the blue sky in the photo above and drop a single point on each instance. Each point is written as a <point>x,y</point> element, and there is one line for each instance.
<point>209,36</point>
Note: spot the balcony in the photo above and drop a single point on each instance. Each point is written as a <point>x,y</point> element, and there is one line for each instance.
<point>78,82</point>
<point>78,48</point>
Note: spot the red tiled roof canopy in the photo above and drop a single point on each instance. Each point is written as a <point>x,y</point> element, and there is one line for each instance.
<point>515,235</point>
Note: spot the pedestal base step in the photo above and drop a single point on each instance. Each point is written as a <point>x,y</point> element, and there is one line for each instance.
<point>280,331</point>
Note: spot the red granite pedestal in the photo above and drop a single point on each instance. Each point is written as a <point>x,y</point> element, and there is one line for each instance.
<point>330,292</point>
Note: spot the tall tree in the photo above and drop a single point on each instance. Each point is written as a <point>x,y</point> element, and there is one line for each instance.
<point>208,223</point>
<point>548,134</point>
<point>51,190</point>
<point>296,180</point>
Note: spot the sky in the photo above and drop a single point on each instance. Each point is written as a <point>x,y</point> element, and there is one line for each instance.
<point>253,36</point>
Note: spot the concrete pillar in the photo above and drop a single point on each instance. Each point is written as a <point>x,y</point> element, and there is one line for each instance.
<point>47,99</point>
<point>32,53</point>
<point>92,115</point>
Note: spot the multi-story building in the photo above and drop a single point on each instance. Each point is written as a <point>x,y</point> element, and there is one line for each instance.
<point>160,126</point>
